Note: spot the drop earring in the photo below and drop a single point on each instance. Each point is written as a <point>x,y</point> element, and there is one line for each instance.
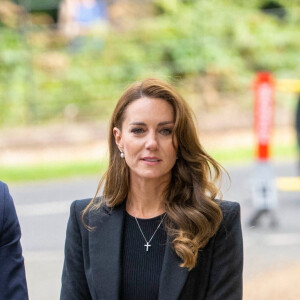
<point>122,155</point>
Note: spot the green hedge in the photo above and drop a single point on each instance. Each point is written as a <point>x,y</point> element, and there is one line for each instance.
<point>183,41</point>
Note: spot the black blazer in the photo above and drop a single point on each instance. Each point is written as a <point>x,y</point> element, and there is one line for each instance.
<point>12,273</point>
<point>92,266</point>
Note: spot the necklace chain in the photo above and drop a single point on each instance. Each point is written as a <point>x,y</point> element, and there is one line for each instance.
<point>148,242</point>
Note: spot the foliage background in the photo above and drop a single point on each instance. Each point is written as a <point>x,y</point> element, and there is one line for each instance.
<point>210,49</point>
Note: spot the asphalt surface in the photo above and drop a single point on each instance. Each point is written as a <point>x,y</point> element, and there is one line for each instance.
<point>43,209</point>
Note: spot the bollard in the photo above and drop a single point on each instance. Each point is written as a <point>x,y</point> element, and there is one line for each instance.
<point>264,193</point>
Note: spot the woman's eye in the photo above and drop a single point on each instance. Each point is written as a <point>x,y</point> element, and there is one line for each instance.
<point>137,130</point>
<point>166,131</point>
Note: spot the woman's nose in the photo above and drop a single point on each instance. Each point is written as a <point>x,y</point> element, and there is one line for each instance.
<point>151,143</point>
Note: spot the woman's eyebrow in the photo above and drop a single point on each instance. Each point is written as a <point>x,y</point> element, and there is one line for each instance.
<point>144,124</point>
<point>165,123</point>
<point>137,123</point>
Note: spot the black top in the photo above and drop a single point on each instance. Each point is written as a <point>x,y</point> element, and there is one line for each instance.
<point>141,268</point>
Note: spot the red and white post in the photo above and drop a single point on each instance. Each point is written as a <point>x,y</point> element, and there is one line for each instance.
<point>264,193</point>
<point>263,113</point>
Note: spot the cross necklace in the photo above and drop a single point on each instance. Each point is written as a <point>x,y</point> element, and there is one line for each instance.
<point>147,245</point>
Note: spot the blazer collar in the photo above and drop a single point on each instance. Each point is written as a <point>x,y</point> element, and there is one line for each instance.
<point>172,276</point>
<point>105,251</point>
<point>106,258</point>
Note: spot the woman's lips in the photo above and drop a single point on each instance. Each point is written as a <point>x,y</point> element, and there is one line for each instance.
<point>151,160</point>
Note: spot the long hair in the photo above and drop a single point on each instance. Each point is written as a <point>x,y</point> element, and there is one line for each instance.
<point>193,214</point>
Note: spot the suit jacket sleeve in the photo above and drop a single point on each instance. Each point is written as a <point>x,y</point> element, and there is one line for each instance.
<point>74,283</point>
<point>12,272</point>
<point>225,280</point>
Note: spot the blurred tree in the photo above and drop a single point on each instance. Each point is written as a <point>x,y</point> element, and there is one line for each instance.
<point>274,8</point>
<point>212,46</point>
<point>38,6</point>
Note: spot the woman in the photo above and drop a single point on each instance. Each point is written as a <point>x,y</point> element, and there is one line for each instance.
<point>157,232</point>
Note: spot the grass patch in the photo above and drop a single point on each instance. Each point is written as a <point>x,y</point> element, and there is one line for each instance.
<point>64,170</point>
<point>51,171</point>
<point>247,154</point>
<point>232,155</point>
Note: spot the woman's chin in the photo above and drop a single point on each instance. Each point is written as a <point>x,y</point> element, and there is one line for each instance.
<point>152,176</point>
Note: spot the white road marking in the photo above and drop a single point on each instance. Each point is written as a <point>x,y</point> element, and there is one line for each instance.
<point>42,209</point>
<point>43,256</point>
<point>282,239</point>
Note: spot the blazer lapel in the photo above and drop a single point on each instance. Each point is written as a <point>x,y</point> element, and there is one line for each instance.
<point>172,277</point>
<point>105,252</point>
<point>105,258</point>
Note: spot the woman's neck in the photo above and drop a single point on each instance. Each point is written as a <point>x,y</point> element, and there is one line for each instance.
<point>145,199</point>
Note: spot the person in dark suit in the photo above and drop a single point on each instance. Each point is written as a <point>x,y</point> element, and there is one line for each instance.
<point>157,231</point>
<point>13,284</point>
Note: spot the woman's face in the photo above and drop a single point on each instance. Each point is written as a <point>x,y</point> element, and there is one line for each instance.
<point>146,139</point>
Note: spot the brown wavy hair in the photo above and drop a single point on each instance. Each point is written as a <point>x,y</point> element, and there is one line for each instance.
<point>193,214</point>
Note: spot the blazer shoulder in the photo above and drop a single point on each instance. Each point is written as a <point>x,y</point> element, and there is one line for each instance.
<point>2,187</point>
<point>2,184</point>
<point>80,205</point>
<point>3,192</point>
<point>2,199</point>
<point>229,208</point>
<point>231,214</point>
<point>231,221</point>
<point>8,216</point>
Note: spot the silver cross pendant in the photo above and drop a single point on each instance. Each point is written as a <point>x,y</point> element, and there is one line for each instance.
<point>147,246</point>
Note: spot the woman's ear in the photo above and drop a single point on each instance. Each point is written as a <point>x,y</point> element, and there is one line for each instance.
<point>118,137</point>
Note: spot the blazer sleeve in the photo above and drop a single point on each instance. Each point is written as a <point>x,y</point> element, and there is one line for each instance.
<point>225,280</point>
<point>13,284</point>
<point>74,283</point>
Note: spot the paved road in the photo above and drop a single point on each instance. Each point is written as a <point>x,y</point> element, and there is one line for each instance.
<point>43,210</point>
